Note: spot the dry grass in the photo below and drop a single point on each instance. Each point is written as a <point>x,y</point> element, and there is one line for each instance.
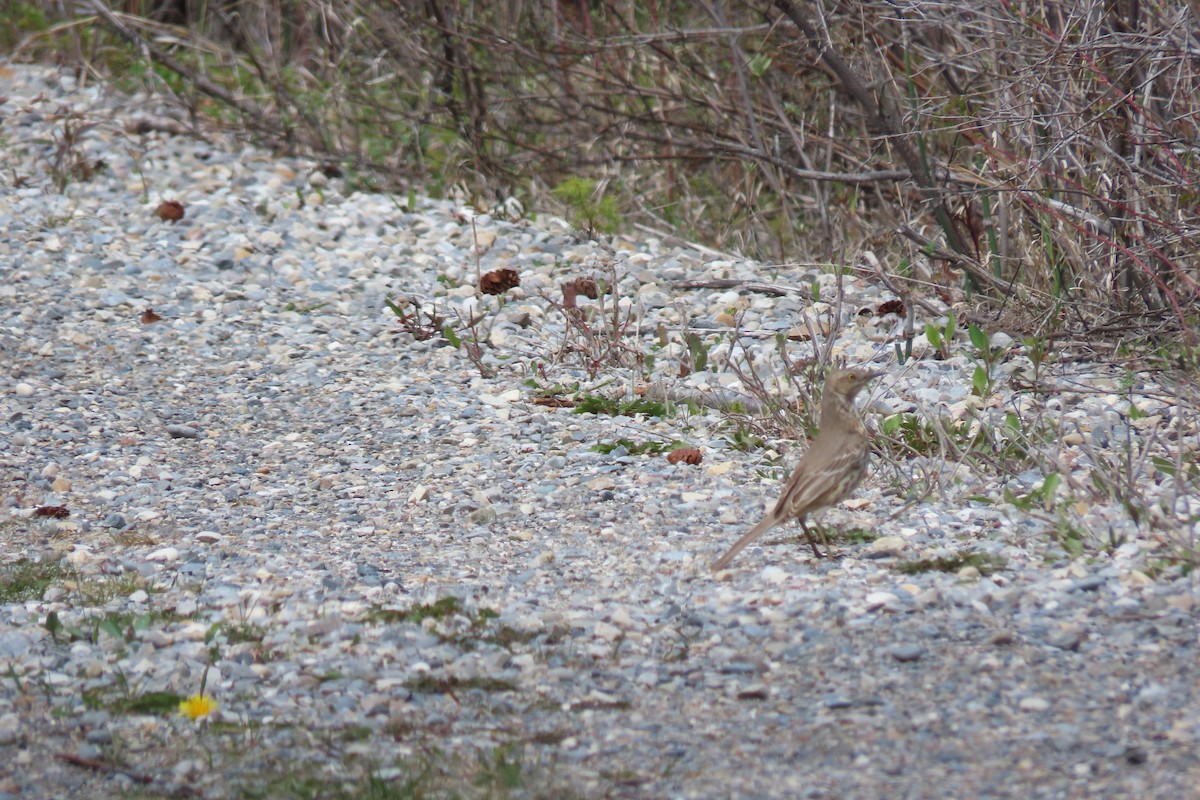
<point>1037,159</point>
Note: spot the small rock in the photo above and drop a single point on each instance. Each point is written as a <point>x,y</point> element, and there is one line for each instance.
<point>607,631</point>
<point>887,546</point>
<point>164,554</point>
<point>1002,637</point>
<point>182,432</point>
<point>99,736</point>
<point>907,652</point>
<point>10,724</point>
<point>1089,584</point>
<point>1069,638</point>
<point>1136,755</point>
<point>755,691</point>
<point>876,600</point>
<point>1034,704</point>
<point>773,575</point>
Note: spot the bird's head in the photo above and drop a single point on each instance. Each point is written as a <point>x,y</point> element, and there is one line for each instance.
<point>846,383</point>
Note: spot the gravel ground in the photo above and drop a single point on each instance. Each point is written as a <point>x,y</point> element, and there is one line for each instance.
<point>383,565</point>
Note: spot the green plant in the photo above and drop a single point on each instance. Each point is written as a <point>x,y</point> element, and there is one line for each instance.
<point>124,626</point>
<point>591,209</point>
<point>67,163</point>
<point>697,352</point>
<point>827,534</point>
<point>19,20</point>
<point>610,406</point>
<point>28,580</point>
<point>1043,497</point>
<point>1037,349</point>
<point>981,380</point>
<point>638,448</point>
<point>422,325</point>
<point>447,684</point>
<point>1068,535</point>
<point>984,562</point>
<point>940,337</point>
<point>917,435</point>
<point>304,309</point>
<point>744,438</point>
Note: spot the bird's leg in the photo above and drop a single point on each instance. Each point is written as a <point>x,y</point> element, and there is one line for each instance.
<point>812,541</point>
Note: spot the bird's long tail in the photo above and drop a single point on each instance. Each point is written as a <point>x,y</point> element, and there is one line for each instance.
<point>768,522</point>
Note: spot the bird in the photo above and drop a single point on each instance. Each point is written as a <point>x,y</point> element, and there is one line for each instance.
<point>830,470</point>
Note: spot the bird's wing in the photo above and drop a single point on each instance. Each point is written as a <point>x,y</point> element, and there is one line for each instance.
<point>821,481</point>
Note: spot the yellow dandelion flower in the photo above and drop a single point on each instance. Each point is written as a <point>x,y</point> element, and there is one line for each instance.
<point>197,706</point>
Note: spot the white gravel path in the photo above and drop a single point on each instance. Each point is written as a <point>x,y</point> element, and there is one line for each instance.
<point>271,486</point>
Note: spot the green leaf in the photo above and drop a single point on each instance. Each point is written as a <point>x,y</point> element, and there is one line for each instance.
<point>452,337</point>
<point>111,628</point>
<point>53,624</point>
<point>1022,502</point>
<point>934,335</point>
<point>980,381</point>
<point>759,65</point>
<point>950,326</point>
<point>1050,489</point>
<point>698,352</point>
<point>979,339</point>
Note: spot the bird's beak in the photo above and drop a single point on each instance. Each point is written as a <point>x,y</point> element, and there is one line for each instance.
<point>879,373</point>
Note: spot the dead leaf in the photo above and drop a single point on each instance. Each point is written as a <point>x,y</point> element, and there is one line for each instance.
<point>170,211</point>
<point>587,287</point>
<point>149,317</point>
<point>53,512</point>
<point>499,281</point>
<point>688,455</point>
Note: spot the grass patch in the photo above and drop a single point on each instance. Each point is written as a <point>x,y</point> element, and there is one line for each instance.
<point>99,591</point>
<point>984,562</point>
<point>613,407</point>
<point>122,625</point>
<point>28,580</point>
<point>439,609</point>
<point>638,448</point>
<point>496,774</point>
<point>833,535</point>
<point>238,633</point>
<point>447,685</point>
<point>478,627</point>
<point>158,703</point>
